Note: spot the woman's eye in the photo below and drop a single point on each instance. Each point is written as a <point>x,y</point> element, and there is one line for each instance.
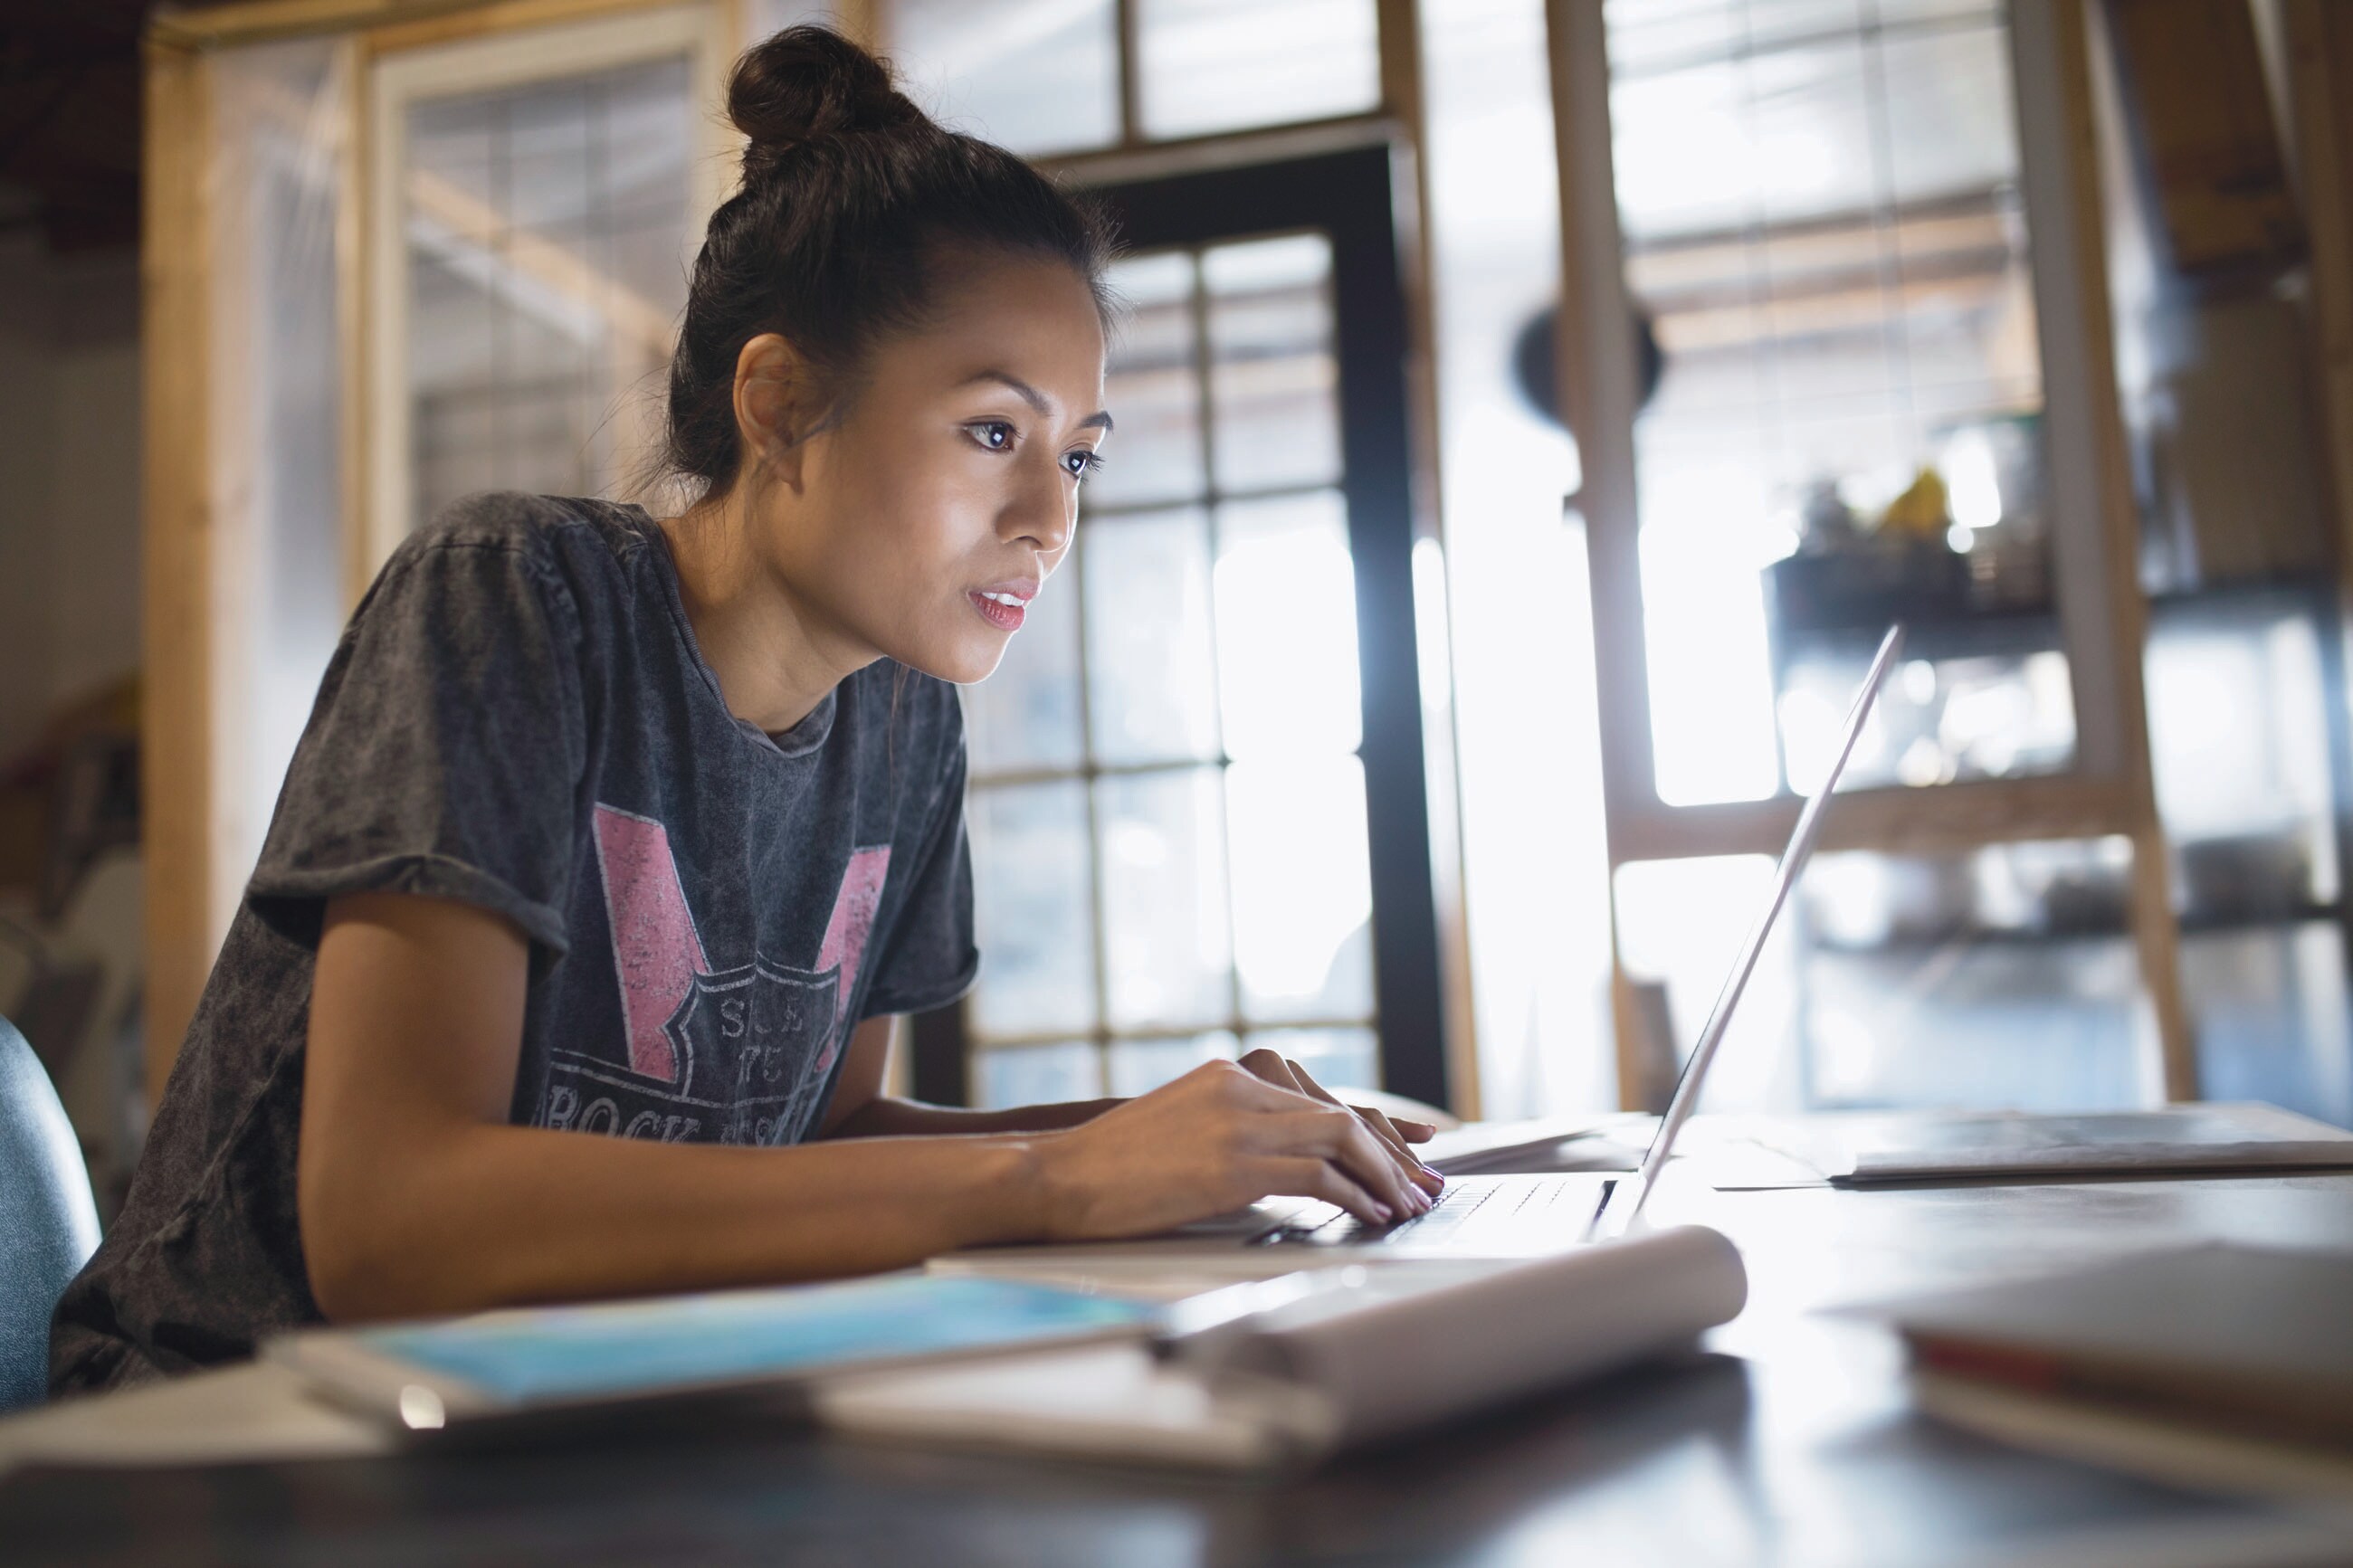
<point>1081,464</point>
<point>994,434</point>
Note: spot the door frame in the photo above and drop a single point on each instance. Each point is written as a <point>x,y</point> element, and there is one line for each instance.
<point>1350,196</point>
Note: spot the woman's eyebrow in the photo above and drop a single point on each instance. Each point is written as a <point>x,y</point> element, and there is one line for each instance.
<point>1034,399</point>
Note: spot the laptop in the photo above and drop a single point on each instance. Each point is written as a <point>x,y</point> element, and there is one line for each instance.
<point>1476,1218</point>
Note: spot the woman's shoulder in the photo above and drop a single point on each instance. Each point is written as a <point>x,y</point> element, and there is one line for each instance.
<point>574,549</point>
<point>539,526</point>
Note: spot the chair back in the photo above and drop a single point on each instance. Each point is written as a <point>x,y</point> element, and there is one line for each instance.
<point>48,1224</point>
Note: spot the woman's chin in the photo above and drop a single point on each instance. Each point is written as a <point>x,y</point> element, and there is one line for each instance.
<point>969,662</point>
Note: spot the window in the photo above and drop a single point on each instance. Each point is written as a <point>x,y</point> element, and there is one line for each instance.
<point>1074,76</point>
<point>1036,75</point>
<point>1198,815</point>
<point>546,280</point>
<point>1824,234</point>
<point>1168,808</point>
<point>535,200</point>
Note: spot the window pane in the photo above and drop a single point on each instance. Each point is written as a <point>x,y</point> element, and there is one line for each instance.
<point>1218,65</point>
<point>1139,1066</point>
<point>1036,75</point>
<point>2236,730</point>
<point>1937,720</point>
<point>546,228</point>
<point>1336,1058</point>
<point>1950,122</point>
<point>1825,244</point>
<point>1679,926</point>
<point>1036,1075</point>
<point>1154,388</point>
<point>1287,627</point>
<point>1032,909</point>
<point>1026,714</point>
<point>1302,888</point>
<point>1151,687</point>
<point>1272,373</point>
<point>1163,889</point>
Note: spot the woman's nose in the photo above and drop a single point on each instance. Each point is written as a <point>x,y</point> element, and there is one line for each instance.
<point>1042,511</point>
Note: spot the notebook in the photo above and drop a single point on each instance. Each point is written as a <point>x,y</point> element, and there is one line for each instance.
<point>1860,1150</point>
<point>537,1360</point>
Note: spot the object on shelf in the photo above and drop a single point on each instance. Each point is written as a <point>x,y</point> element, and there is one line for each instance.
<point>2246,876</point>
<point>1924,512</point>
<point>1864,585</point>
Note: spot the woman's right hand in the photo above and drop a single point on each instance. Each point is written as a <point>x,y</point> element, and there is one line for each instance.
<point>1216,1140</point>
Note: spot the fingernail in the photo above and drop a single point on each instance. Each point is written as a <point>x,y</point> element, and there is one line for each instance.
<point>1386,1213</point>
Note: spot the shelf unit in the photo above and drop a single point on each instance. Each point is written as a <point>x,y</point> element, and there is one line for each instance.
<point>2101,612</point>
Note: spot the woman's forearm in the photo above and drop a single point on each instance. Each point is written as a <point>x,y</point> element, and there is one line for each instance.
<point>884,1117</point>
<point>488,1215</point>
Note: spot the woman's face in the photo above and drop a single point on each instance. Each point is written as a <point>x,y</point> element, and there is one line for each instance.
<point>933,508</point>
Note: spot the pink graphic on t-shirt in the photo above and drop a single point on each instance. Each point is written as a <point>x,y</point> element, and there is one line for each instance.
<point>845,932</point>
<point>656,951</point>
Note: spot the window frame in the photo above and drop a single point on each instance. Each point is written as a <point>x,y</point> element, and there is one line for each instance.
<point>392,79</point>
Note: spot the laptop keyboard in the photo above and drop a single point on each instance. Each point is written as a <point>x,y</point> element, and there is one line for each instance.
<point>1487,1205</point>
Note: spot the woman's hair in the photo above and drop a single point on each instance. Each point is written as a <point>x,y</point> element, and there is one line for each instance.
<point>853,208</point>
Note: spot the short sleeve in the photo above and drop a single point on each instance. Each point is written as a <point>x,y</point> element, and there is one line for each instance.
<point>928,959</point>
<point>443,755</point>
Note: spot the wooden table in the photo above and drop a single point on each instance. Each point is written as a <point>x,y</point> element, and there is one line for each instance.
<point>1789,1443</point>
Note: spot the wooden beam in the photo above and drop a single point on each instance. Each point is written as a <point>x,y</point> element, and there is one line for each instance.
<point>2155,927</point>
<point>2319,49</point>
<point>1598,391</point>
<point>2202,122</point>
<point>1944,819</point>
<point>176,252</point>
<point>402,23</point>
<point>1221,149</point>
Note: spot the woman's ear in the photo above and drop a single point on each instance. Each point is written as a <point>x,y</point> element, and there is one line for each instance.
<point>775,407</point>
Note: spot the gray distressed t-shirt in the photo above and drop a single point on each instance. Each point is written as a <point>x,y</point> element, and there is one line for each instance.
<point>517,717</point>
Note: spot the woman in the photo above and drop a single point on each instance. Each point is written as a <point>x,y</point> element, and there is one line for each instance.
<point>605,824</point>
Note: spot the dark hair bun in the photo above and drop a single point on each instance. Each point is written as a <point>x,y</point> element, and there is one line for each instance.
<point>805,84</point>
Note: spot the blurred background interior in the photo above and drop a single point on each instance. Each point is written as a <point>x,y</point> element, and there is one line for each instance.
<point>1377,716</point>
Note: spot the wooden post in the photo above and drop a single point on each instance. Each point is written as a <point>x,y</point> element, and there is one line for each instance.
<point>175,250</point>
<point>2155,932</point>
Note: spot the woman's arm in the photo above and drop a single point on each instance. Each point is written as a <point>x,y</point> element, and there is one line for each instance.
<point>860,1108</point>
<point>415,1196</point>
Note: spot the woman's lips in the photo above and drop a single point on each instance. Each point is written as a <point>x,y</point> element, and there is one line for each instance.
<point>1004,610</point>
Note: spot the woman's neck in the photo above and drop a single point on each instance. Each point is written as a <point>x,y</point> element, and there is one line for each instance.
<point>774,657</point>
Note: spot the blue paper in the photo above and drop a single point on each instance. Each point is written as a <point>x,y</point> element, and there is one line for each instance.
<point>561,1354</point>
